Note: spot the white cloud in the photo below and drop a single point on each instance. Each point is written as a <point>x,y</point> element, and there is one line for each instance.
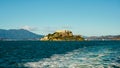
<point>66,27</point>
<point>29,28</point>
<point>51,29</point>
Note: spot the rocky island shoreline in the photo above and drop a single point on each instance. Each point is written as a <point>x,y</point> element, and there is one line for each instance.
<point>62,35</point>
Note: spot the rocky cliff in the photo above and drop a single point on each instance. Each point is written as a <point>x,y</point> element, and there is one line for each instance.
<point>62,35</point>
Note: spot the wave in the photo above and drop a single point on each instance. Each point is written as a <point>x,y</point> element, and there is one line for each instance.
<point>76,59</point>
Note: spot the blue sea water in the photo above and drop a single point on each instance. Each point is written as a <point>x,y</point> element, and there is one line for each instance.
<point>38,54</point>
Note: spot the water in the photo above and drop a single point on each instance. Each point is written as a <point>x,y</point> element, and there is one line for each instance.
<point>88,54</point>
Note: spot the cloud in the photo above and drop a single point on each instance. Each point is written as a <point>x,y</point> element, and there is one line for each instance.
<point>29,28</point>
<point>51,29</point>
<point>66,27</point>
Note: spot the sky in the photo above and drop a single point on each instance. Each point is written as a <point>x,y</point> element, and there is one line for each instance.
<point>84,17</point>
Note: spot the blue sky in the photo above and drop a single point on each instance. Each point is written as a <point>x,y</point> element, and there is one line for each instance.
<point>85,17</point>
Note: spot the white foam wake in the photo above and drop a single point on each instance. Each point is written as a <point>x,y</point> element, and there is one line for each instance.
<point>74,59</point>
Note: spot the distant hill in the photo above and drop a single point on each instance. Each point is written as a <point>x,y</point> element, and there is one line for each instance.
<point>18,34</point>
<point>108,37</point>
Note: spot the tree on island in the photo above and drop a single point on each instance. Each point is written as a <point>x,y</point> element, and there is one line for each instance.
<point>62,35</point>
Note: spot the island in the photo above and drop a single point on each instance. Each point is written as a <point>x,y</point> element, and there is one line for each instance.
<point>62,35</point>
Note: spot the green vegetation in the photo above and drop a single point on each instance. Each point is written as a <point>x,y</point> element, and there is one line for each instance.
<point>62,36</point>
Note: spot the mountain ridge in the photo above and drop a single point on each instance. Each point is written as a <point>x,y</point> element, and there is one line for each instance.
<point>18,34</point>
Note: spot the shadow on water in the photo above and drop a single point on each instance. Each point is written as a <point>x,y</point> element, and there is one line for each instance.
<point>12,53</point>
